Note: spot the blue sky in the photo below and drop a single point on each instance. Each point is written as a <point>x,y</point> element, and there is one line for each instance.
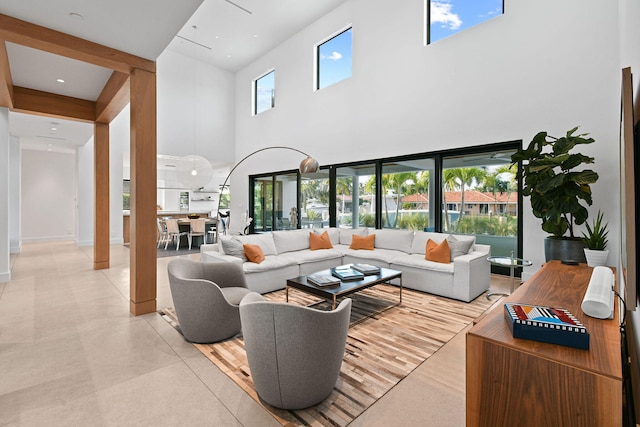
<point>264,90</point>
<point>450,16</point>
<point>335,59</point>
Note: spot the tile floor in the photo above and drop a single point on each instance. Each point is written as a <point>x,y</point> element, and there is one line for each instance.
<point>72,355</point>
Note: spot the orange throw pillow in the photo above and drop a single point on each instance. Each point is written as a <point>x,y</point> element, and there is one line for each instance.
<point>254,253</point>
<point>358,242</point>
<point>319,241</point>
<point>438,252</point>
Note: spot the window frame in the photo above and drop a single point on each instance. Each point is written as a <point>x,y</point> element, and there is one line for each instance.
<point>254,92</point>
<point>316,57</point>
<point>427,23</point>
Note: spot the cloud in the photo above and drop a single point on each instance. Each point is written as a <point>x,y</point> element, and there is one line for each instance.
<point>441,12</point>
<point>335,56</point>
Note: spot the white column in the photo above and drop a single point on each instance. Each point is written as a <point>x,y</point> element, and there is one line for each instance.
<point>15,166</point>
<point>5,273</point>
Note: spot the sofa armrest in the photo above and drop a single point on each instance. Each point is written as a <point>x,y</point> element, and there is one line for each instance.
<point>209,247</point>
<point>213,256</point>
<point>472,273</point>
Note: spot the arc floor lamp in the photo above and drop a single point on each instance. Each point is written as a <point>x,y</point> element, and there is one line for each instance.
<point>308,165</point>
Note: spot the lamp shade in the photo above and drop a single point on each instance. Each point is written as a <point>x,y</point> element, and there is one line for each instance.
<point>309,165</point>
<point>194,171</point>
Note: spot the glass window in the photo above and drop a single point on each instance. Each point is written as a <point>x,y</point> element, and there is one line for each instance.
<point>447,17</point>
<point>315,199</point>
<point>485,184</point>
<point>262,204</point>
<point>286,202</point>
<point>407,194</point>
<point>333,60</point>
<point>356,196</point>
<point>126,194</point>
<point>264,92</point>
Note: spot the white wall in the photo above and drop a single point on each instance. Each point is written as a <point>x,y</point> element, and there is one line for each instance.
<point>15,245</point>
<point>5,273</point>
<point>85,191</point>
<point>540,66</point>
<point>195,100</point>
<point>48,196</point>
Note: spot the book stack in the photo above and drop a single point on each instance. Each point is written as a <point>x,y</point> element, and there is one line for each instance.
<point>366,269</point>
<point>322,280</point>
<point>546,324</point>
<point>346,273</point>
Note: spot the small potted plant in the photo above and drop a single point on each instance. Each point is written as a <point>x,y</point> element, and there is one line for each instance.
<point>595,240</point>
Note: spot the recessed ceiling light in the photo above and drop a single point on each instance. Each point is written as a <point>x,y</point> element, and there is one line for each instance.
<point>228,56</point>
<point>76,16</point>
<point>255,35</point>
<point>217,37</point>
<point>54,128</point>
<point>60,80</point>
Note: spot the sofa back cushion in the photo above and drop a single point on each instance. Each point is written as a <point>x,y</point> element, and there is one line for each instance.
<point>232,246</point>
<point>399,240</point>
<point>346,233</point>
<point>334,234</point>
<point>291,240</point>
<point>265,241</point>
<point>459,245</point>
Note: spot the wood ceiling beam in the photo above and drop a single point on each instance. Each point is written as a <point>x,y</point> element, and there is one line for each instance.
<point>6,82</point>
<point>42,38</point>
<point>113,98</point>
<point>50,104</point>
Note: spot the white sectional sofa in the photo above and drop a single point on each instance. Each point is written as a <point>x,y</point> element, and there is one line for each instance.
<point>288,254</point>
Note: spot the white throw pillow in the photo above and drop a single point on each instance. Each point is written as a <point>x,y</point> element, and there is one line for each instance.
<point>458,247</point>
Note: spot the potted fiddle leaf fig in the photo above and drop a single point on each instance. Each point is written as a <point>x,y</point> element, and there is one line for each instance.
<point>559,189</point>
<point>596,240</point>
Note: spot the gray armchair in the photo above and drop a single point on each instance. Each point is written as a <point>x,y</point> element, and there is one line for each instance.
<point>294,352</point>
<point>206,297</point>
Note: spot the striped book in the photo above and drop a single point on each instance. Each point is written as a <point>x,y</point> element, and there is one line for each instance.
<point>546,324</point>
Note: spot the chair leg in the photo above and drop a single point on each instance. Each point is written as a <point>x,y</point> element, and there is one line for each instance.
<point>166,243</point>
<point>190,239</point>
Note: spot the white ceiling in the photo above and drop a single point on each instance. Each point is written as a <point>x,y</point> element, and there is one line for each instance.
<point>232,32</point>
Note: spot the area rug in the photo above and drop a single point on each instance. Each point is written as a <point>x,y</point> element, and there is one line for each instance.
<point>381,350</point>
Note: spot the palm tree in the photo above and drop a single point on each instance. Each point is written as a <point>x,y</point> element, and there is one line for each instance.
<point>448,184</point>
<point>343,187</point>
<point>397,182</point>
<point>464,177</point>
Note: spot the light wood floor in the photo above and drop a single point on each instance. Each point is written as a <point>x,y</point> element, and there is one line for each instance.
<point>71,354</point>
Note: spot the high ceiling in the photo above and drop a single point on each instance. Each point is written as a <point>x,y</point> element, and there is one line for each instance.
<point>230,33</point>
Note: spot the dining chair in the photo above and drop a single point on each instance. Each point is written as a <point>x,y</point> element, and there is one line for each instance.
<point>162,233</point>
<point>211,233</point>
<point>197,229</point>
<point>173,233</point>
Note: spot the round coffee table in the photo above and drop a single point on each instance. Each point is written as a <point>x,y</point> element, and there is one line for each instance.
<point>511,262</point>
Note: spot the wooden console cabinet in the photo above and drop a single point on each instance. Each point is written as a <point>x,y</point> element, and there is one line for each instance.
<point>517,382</point>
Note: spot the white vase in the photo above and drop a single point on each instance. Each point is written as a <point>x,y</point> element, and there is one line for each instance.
<point>596,257</point>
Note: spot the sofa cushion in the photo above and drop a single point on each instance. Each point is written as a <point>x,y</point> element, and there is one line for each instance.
<point>366,243</point>
<point>458,247</point>
<point>271,263</point>
<point>418,261</point>
<point>438,252</point>
<point>265,241</point>
<point>399,240</point>
<point>254,253</point>
<point>291,240</point>
<point>319,241</point>
<point>232,246</point>
<point>419,244</point>
<point>346,233</point>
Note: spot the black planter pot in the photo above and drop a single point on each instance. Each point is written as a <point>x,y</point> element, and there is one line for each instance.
<point>564,249</point>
